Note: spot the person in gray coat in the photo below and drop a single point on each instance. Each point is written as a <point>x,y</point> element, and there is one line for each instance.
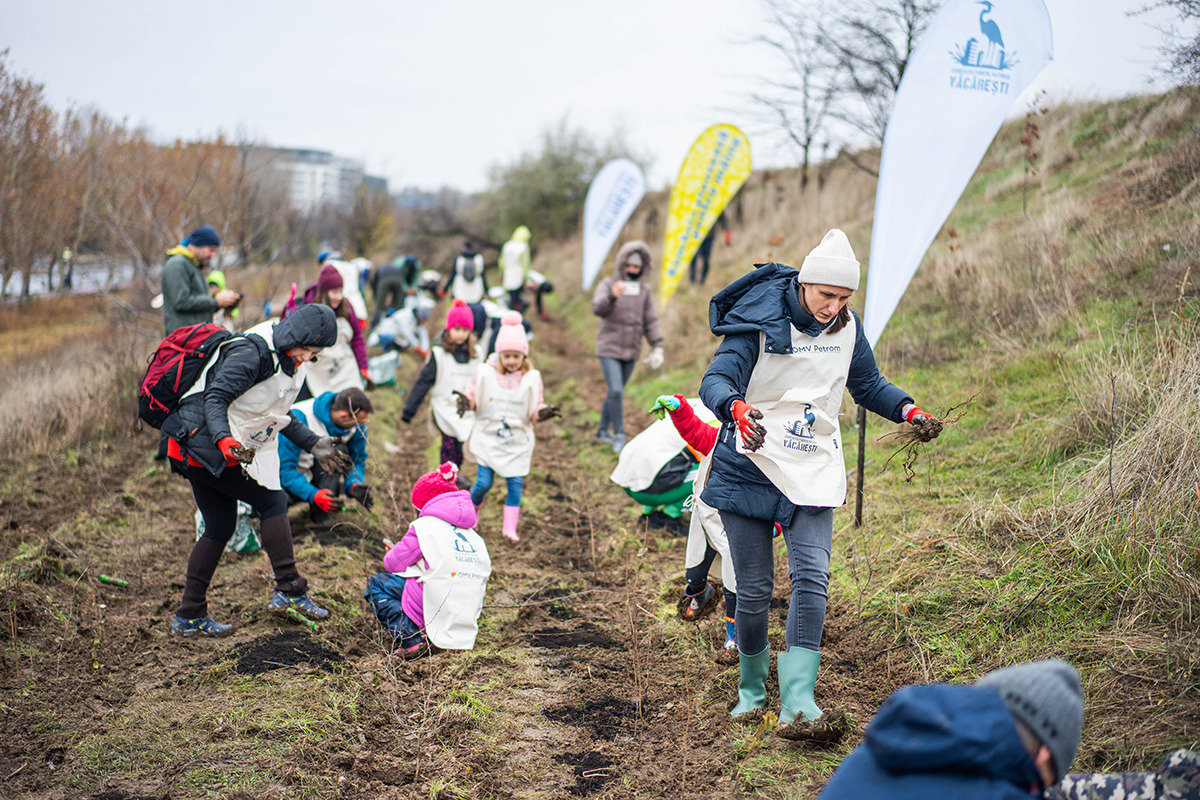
<point>626,310</point>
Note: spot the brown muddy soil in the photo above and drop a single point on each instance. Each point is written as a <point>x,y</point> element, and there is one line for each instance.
<point>586,682</point>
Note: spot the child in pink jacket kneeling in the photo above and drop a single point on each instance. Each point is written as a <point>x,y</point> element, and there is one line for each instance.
<point>436,574</point>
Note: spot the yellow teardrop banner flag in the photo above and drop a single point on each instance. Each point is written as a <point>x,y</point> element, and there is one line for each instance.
<point>715,168</point>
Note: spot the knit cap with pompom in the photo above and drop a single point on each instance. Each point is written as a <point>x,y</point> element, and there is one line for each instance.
<point>431,484</point>
<point>512,334</point>
<point>460,315</point>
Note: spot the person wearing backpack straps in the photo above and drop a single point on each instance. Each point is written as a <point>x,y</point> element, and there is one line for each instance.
<point>466,281</point>
<point>223,440</point>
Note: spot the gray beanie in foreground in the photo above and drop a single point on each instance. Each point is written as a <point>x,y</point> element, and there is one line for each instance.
<point>1046,696</point>
<point>831,263</point>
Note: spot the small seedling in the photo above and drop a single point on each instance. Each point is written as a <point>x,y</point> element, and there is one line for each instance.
<point>114,581</point>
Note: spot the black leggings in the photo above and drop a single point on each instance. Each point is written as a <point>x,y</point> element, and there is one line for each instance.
<point>217,499</point>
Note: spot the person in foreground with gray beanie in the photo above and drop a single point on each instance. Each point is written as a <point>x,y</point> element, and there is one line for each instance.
<point>1011,735</point>
<point>791,344</point>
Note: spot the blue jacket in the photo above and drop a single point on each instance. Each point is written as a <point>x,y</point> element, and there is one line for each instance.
<point>290,476</point>
<point>938,741</point>
<point>768,300</point>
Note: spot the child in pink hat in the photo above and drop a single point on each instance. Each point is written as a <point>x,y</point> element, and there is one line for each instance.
<point>448,372</point>
<point>450,565</point>
<point>506,396</point>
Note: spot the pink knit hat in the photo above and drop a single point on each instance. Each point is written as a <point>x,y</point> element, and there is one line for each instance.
<point>431,484</point>
<point>512,334</point>
<point>329,278</point>
<point>460,315</point>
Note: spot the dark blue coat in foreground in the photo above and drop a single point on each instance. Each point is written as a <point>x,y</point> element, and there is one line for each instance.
<point>768,300</point>
<point>938,741</point>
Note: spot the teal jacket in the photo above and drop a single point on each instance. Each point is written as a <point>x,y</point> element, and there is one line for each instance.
<point>186,299</point>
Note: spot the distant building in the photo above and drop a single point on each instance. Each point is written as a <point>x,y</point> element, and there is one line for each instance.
<point>318,178</point>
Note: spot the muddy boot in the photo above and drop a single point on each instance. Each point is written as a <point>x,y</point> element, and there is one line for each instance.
<point>752,685</point>
<point>799,716</point>
<point>509,529</point>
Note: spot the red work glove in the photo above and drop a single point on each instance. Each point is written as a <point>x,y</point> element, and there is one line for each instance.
<point>325,501</point>
<point>226,446</point>
<point>728,237</point>
<point>914,412</point>
<point>747,417</point>
<point>441,293</point>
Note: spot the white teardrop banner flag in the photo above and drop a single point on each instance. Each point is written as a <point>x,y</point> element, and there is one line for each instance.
<point>614,194</point>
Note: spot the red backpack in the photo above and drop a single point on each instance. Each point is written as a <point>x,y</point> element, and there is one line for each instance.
<point>174,366</point>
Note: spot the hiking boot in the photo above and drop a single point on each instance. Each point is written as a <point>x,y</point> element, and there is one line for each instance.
<point>698,603</point>
<point>618,442</point>
<point>281,602</point>
<point>412,651</point>
<point>205,626</point>
<point>603,437</point>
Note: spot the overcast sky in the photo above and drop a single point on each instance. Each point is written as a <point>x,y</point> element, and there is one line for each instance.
<point>431,94</point>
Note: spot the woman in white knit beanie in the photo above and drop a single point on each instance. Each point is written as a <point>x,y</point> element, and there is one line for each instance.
<point>791,345</point>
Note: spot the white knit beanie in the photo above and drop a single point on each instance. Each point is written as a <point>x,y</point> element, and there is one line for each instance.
<point>831,263</point>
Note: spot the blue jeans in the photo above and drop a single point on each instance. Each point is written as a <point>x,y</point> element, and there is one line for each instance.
<point>809,540</point>
<point>483,485</point>
<point>616,375</point>
<point>383,594</point>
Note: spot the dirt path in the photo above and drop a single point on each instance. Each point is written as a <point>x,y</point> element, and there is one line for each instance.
<point>584,683</point>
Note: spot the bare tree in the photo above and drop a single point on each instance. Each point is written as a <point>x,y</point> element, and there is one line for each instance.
<point>1182,47</point>
<point>872,41</point>
<point>798,102</point>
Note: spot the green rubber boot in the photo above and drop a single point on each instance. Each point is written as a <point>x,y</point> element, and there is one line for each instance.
<point>752,685</point>
<point>797,678</point>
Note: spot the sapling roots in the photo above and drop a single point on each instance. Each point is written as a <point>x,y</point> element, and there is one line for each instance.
<point>920,433</point>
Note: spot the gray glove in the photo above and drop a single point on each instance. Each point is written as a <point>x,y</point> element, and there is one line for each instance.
<point>331,459</point>
<point>461,404</point>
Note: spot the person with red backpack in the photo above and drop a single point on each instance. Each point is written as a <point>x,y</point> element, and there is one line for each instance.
<point>222,438</point>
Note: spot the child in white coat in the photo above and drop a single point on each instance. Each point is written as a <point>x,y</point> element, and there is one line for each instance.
<point>506,397</point>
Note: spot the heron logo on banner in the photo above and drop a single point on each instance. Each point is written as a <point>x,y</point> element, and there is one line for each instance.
<point>982,60</point>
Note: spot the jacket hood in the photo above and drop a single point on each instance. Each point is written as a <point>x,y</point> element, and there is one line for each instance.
<point>180,250</point>
<point>453,507</point>
<point>322,407</point>
<point>310,325</point>
<point>218,277</point>
<point>942,728</point>
<point>626,250</point>
<point>767,300</point>
<point>521,234</point>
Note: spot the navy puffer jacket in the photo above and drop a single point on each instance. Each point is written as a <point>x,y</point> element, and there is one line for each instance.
<point>938,741</point>
<point>202,420</point>
<point>767,300</point>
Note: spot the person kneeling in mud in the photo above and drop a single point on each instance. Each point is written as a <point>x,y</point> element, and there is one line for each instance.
<point>223,437</point>
<point>707,541</point>
<point>343,416</point>
<point>437,574</point>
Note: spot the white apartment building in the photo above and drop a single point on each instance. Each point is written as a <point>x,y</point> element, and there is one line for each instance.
<point>318,177</point>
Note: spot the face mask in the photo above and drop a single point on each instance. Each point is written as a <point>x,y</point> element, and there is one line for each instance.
<point>633,274</point>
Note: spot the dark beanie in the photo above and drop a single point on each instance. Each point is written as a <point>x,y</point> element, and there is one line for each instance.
<point>204,236</point>
<point>1046,696</point>
<point>329,278</point>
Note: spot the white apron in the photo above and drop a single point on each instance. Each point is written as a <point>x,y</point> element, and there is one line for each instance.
<point>470,291</point>
<point>451,377</point>
<point>336,368</point>
<point>647,453</point>
<point>454,572</point>
<point>258,414</point>
<point>514,266</point>
<point>314,424</point>
<point>502,437</point>
<point>705,529</point>
<point>799,394</point>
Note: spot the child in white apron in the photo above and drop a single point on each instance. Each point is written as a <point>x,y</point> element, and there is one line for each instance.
<point>450,368</point>
<point>437,574</point>
<point>506,397</point>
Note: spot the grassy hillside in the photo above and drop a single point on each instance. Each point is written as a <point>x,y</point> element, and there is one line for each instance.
<point>1057,515</point>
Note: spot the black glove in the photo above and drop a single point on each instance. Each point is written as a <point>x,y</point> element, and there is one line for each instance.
<point>331,459</point>
<point>547,412</point>
<point>362,493</point>
<point>463,404</point>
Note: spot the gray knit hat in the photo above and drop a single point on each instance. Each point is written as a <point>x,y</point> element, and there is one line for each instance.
<point>831,263</point>
<point>1046,696</point>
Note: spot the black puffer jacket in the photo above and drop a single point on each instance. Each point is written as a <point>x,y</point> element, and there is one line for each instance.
<point>202,420</point>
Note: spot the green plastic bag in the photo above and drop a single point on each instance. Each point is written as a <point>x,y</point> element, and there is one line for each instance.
<point>245,534</point>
